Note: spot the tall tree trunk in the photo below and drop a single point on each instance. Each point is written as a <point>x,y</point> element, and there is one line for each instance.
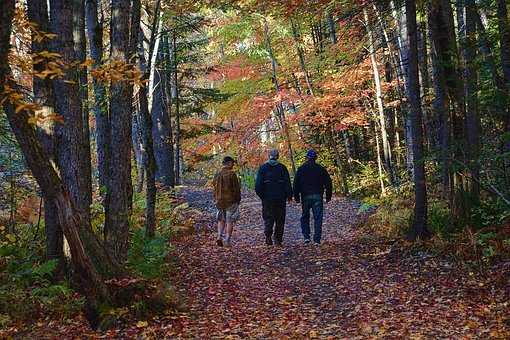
<point>472,116</point>
<point>301,56</point>
<point>344,187</point>
<point>280,110</point>
<point>69,140</point>
<point>440,105</point>
<point>43,96</point>
<point>331,28</point>
<point>504,41</point>
<point>119,193</point>
<point>176,100</point>
<point>138,150</point>
<point>379,161</point>
<point>380,106</point>
<point>100,105</point>
<point>80,50</point>
<point>403,50</point>
<point>161,128</point>
<point>419,227</point>
<point>168,107</point>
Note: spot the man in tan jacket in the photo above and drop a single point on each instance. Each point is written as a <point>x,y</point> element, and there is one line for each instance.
<point>227,195</point>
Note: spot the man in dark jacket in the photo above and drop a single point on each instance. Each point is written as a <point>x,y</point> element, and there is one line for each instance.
<point>309,185</point>
<point>274,188</point>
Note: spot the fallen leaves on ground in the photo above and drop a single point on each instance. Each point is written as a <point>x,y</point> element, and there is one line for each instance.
<point>352,286</point>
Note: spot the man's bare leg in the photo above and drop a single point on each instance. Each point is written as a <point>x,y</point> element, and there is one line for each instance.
<point>230,228</point>
<point>221,232</point>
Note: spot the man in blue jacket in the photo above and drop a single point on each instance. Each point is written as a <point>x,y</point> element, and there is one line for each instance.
<point>310,183</point>
<point>274,188</point>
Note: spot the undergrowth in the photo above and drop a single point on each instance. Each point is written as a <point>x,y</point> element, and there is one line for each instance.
<point>485,240</point>
<point>32,287</point>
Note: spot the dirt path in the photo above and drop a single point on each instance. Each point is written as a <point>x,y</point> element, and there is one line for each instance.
<point>349,287</point>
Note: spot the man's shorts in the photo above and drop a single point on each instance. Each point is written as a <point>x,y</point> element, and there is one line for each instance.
<point>231,214</point>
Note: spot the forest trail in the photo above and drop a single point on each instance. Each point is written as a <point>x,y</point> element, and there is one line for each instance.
<point>350,286</point>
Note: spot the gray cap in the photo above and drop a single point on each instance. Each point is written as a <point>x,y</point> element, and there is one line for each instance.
<point>274,154</point>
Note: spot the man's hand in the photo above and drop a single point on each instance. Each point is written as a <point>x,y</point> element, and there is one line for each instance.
<point>289,199</point>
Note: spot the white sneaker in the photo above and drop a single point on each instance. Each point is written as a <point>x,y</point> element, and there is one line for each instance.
<point>307,241</point>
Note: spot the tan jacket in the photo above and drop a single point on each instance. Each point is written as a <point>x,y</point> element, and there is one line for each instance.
<point>227,189</point>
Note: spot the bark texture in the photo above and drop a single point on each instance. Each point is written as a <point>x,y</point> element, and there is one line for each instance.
<point>119,192</point>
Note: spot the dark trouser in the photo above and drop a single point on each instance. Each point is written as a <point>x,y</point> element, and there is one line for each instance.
<point>273,213</point>
<point>313,202</point>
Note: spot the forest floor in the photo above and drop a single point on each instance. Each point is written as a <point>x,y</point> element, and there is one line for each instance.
<point>353,285</point>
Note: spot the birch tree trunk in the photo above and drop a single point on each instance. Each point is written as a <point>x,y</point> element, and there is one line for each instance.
<point>380,106</point>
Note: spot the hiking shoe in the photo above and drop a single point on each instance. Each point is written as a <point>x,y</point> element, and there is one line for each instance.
<point>278,243</point>
<point>307,241</point>
<point>316,244</point>
<point>227,243</point>
<point>269,241</point>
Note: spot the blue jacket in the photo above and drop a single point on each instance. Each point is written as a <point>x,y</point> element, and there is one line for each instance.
<point>312,179</point>
<point>273,182</point>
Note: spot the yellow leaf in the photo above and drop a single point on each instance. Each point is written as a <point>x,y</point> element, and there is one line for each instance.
<point>142,324</point>
<point>11,238</point>
<point>313,334</point>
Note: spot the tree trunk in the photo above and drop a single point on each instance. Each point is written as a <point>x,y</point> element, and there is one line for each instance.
<point>332,28</point>
<point>100,105</point>
<point>279,107</point>
<point>440,105</point>
<point>301,56</point>
<point>379,161</point>
<point>176,100</point>
<point>119,193</point>
<point>344,187</point>
<point>43,96</point>
<point>419,227</point>
<point>138,150</point>
<point>472,116</point>
<point>80,50</point>
<point>504,40</point>
<point>69,136</point>
<point>403,48</point>
<point>161,128</point>
<point>168,108</point>
<point>380,106</point>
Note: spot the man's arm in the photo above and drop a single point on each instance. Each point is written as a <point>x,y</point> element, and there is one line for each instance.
<point>237,188</point>
<point>259,182</point>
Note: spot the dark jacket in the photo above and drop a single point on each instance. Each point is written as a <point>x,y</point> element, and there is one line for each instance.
<point>273,182</point>
<point>227,189</point>
<point>312,179</point>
